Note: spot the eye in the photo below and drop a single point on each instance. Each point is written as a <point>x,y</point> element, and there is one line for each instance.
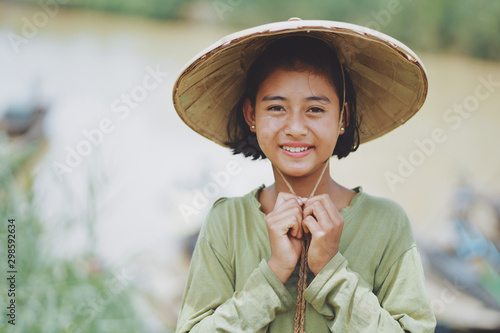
<point>275,108</point>
<point>316,110</point>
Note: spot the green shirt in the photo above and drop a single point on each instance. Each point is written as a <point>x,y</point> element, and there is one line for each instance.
<point>375,283</point>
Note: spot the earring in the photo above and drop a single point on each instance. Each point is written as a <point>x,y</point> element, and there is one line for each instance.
<point>253,127</point>
<point>341,128</point>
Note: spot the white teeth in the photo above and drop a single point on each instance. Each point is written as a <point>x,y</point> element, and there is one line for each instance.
<point>295,149</point>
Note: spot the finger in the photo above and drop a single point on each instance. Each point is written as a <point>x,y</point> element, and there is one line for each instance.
<point>296,210</point>
<point>283,197</point>
<point>305,229</point>
<point>311,224</point>
<point>328,204</point>
<point>287,221</point>
<point>320,214</point>
<point>293,225</point>
<point>287,205</point>
<point>300,231</point>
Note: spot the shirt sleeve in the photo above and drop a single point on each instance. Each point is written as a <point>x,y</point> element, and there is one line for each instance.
<point>349,305</point>
<point>211,304</point>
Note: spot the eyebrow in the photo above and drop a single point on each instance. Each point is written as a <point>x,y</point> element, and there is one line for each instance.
<point>318,98</point>
<point>281,98</point>
<point>274,98</point>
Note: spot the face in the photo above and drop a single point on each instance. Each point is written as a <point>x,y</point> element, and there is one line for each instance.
<point>297,120</point>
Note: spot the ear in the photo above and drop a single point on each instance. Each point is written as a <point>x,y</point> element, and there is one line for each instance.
<point>249,113</point>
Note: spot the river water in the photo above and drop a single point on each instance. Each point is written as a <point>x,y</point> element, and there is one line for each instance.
<point>121,167</point>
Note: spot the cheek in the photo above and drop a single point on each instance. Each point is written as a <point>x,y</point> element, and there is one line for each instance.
<point>267,128</point>
<point>262,137</point>
<point>327,133</point>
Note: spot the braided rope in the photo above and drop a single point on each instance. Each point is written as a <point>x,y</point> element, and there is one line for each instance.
<point>300,313</point>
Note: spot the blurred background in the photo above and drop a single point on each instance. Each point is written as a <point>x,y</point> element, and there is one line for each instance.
<point>109,188</point>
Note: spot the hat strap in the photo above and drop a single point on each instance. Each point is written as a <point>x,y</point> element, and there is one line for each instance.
<point>342,111</point>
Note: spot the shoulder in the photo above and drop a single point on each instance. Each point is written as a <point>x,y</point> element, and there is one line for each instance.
<point>227,222</point>
<point>386,231</point>
<point>383,206</point>
<point>229,212</point>
<point>383,209</point>
<point>383,219</point>
<point>234,205</point>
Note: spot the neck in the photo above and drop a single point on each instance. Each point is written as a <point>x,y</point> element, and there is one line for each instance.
<point>304,186</point>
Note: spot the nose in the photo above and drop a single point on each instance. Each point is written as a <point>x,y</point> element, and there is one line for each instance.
<point>295,125</point>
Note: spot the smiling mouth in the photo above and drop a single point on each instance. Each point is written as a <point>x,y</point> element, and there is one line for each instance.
<point>295,149</point>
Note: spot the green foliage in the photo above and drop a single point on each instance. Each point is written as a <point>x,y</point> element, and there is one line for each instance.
<point>162,9</point>
<point>54,294</point>
<point>467,27</point>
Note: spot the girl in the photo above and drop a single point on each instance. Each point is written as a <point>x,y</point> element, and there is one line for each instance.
<point>306,253</point>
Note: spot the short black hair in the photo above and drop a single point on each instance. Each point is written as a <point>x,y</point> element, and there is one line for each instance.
<point>298,53</point>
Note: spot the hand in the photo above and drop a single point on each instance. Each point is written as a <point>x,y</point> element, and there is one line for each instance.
<point>322,219</point>
<point>284,225</point>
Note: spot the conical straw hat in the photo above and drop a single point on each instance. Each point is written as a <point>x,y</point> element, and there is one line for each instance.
<point>389,79</point>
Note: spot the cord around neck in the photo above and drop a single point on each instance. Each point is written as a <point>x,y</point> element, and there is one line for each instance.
<point>327,163</point>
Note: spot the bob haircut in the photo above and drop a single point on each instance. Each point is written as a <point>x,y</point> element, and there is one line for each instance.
<point>297,53</point>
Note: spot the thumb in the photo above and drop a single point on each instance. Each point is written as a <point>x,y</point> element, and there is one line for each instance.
<point>309,223</point>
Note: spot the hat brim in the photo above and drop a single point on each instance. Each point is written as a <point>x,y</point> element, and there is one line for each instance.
<point>389,79</point>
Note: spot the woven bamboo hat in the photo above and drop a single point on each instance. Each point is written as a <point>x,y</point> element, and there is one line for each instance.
<point>389,79</point>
